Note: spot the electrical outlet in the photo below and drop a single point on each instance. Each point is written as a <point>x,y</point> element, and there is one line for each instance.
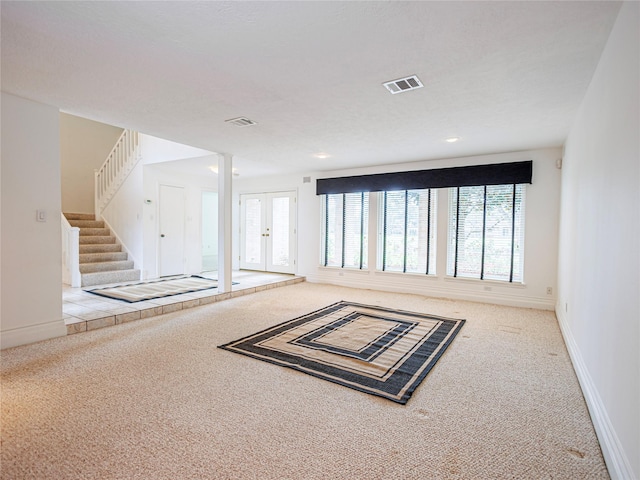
<point>549,291</point>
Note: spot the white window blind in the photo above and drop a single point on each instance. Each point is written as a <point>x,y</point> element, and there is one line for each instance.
<point>407,223</point>
<point>345,239</point>
<point>486,232</point>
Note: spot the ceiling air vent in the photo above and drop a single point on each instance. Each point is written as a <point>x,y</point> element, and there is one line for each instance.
<point>241,122</point>
<point>403,84</point>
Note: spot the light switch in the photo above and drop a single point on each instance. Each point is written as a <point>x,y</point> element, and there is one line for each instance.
<point>41,215</point>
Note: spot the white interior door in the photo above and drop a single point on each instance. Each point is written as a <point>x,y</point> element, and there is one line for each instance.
<point>171,222</point>
<point>268,232</point>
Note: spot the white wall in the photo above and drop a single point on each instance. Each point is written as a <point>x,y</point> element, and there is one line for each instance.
<point>154,176</point>
<point>124,215</point>
<point>31,263</point>
<point>209,227</point>
<point>158,150</point>
<point>541,230</point>
<point>599,284</point>
<point>84,146</point>
<point>132,213</point>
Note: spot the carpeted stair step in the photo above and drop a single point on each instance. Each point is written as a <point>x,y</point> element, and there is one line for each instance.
<point>99,248</point>
<point>87,223</point>
<point>105,266</point>
<point>79,216</point>
<point>100,232</point>
<point>102,278</point>
<point>95,239</point>
<point>102,260</point>
<point>102,257</point>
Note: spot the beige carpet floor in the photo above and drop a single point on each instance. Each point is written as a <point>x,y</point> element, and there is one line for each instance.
<point>155,399</point>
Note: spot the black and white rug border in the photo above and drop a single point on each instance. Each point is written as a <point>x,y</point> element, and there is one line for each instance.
<point>97,291</point>
<point>398,387</point>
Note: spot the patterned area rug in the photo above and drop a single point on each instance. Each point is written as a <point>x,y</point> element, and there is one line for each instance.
<point>375,350</point>
<point>138,292</point>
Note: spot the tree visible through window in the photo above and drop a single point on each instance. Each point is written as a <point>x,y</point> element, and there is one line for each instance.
<point>345,233</point>
<point>486,232</point>
<point>407,224</point>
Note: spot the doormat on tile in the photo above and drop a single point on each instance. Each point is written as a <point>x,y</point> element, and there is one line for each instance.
<point>380,351</point>
<point>138,292</point>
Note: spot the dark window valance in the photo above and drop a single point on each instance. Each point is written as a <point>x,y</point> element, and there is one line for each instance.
<point>474,175</point>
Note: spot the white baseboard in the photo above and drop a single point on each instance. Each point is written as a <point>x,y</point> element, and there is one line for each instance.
<point>433,287</point>
<point>612,451</point>
<point>32,333</point>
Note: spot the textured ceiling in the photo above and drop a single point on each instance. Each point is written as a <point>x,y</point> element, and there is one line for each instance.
<point>502,76</point>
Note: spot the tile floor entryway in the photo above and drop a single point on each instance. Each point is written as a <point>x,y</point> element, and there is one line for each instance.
<point>84,311</point>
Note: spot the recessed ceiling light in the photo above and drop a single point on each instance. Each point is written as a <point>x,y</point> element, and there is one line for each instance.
<point>321,155</point>
<point>452,139</point>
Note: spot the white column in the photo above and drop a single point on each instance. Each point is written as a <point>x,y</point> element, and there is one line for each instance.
<point>224,222</point>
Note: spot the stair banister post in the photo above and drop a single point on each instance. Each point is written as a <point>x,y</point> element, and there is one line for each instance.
<point>70,254</point>
<point>96,193</point>
<point>74,256</point>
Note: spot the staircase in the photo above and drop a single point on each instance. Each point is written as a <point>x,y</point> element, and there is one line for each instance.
<point>101,258</point>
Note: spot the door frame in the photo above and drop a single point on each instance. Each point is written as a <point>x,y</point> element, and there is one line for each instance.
<point>293,247</point>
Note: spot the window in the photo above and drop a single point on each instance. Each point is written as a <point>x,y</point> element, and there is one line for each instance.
<point>407,226</point>
<point>486,232</point>
<point>345,235</point>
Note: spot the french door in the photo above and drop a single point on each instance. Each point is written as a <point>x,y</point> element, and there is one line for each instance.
<point>268,232</point>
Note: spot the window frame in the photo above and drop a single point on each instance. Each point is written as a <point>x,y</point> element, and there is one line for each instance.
<point>431,232</point>
<point>517,224</point>
<point>362,263</point>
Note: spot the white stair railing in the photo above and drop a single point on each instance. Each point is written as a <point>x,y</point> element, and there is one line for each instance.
<point>70,254</point>
<point>115,169</point>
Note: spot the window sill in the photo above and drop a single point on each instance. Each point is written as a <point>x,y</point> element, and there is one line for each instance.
<point>383,273</point>
<point>493,283</point>
<point>357,271</point>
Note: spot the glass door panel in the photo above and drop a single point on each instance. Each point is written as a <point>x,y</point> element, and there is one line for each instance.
<point>280,231</point>
<point>268,232</point>
<point>252,225</point>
